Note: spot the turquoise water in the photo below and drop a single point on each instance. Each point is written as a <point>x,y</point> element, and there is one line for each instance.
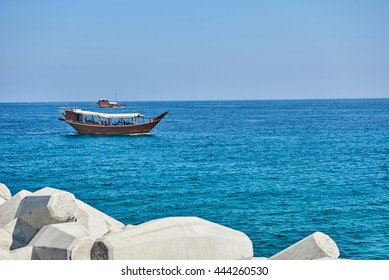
<point>276,170</point>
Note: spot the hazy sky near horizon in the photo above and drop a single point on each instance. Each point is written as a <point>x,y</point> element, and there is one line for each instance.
<point>193,50</point>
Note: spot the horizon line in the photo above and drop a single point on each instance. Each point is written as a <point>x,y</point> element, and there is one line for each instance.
<point>209,100</point>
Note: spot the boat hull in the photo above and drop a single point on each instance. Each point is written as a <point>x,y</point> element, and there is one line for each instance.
<point>99,129</point>
<point>107,104</point>
<point>112,106</point>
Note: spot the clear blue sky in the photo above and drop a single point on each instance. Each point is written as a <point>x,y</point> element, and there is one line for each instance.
<point>193,50</point>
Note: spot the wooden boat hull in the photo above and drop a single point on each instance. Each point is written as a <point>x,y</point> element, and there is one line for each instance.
<point>112,105</point>
<point>107,104</point>
<point>99,129</point>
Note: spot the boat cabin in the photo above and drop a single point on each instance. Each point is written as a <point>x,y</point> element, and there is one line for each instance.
<point>96,118</point>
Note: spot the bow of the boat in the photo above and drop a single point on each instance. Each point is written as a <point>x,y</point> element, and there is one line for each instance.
<point>149,126</point>
<point>161,116</point>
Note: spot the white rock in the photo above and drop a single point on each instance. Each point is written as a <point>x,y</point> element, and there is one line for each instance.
<point>5,240</point>
<point>67,241</point>
<point>5,255</point>
<point>94,223</point>
<point>21,233</point>
<point>4,192</point>
<point>24,253</point>
<point>43,207</point>
<point>82,249</point>
<point>10,207</point>
<point>115,230</point>
<point>84,208</point>
<point>46,206</point>
<point>180,238</point>
<point>2,200</point>
<point>327,259</point>
<point>315,246</point>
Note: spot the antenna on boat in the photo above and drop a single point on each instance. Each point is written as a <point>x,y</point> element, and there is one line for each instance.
<point>67,106</point>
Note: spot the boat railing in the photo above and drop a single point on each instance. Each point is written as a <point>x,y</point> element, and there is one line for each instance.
<point>115,122</point>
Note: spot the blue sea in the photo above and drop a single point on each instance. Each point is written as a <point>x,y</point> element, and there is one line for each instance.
<point>275,170</point>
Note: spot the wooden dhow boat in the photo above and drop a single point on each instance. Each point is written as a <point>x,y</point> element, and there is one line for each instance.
<point>87,122</point>
<point>105,103</point>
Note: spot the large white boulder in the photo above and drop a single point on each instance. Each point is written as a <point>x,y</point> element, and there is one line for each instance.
<point>46,206</point>
<point>67,241</point>
<point>83,208</point>
<point>94,223</point>
<point>21,233</point>
<point>5,240</point>
<point>5,255</point>
<point>4,192</point>
<point>9,208</point>
<point>180,238</point>
<point>24,253</point>
<point>315,246</point>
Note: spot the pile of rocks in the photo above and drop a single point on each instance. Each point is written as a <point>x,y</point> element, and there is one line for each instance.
<point>51,224</point>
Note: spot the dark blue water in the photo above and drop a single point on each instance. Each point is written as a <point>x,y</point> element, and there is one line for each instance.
<point>276,170</point>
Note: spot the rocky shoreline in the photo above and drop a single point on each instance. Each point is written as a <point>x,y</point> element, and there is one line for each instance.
<point>52,224</point>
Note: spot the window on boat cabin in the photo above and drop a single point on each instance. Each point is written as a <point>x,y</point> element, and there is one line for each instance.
<point>88,119</point>
<point>104,121</point>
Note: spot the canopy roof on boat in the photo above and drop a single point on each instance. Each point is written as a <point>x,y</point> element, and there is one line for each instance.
<point>109,116</point>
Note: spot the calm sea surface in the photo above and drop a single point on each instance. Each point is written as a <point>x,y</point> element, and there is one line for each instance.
<point>276,170</point>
